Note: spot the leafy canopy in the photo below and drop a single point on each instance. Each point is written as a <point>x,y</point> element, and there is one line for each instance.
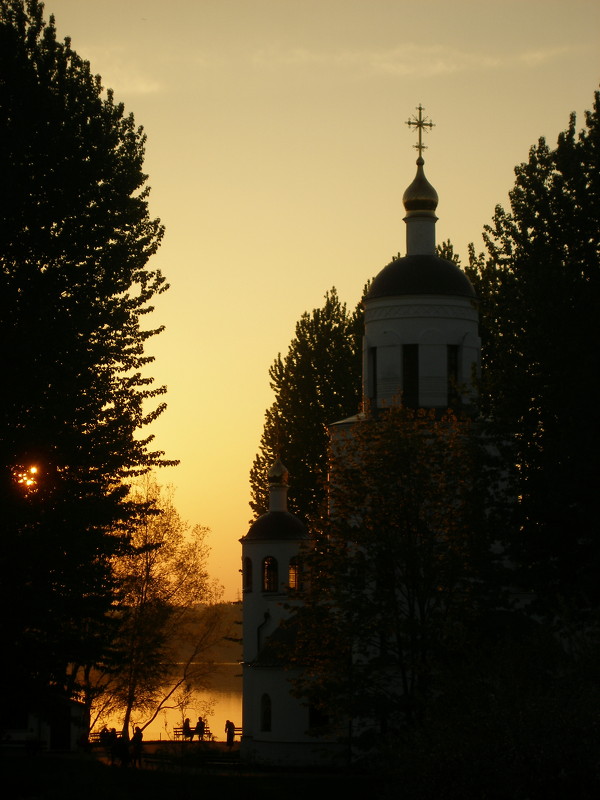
<point>392,577</point>
<point>75,294</point>
<point>165,617</point>
<point>539,289</point>
<point>315,384</point>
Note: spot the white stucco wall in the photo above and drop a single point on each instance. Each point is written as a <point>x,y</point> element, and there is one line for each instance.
<point>432,322</point>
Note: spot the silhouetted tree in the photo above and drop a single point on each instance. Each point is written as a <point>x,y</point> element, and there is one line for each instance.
<point>317,383</point>
<point>395,575</point>
<point>446,250</point>
<point>539,290</point>
<point>75,240</point>
<point>162,638</point>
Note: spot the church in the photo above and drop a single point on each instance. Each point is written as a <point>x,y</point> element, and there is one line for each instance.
<point>421,342</point>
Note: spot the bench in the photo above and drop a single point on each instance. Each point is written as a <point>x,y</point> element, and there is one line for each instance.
<point>97,737</point>
<point>178,734</point>
<point>238,732</point>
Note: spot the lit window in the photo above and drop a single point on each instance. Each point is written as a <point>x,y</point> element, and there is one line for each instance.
<point>294,574</point>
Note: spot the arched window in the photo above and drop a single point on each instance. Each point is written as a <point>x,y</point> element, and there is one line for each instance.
<point>294,574</point>
<point>452,351</point>
<point>410,375</point>
<point>270,580</point>
<point>265,713</point>
<point>247,575</point>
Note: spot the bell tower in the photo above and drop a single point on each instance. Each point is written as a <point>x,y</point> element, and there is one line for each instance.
<point>421,342</point>
<point>275,724</point>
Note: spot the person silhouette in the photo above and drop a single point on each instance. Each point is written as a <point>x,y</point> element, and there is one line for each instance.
<point>188,733</point>
<point>230,731</point>
<point>136,747</point>
<point>200,727</point>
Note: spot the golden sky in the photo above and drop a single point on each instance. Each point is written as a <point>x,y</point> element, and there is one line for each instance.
<point>278,155</point>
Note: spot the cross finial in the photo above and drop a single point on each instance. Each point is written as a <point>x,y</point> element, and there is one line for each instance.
<point>420,123</point>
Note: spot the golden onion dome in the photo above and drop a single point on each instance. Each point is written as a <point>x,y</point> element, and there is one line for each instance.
<point>278,473</point>
<point>420,197</point>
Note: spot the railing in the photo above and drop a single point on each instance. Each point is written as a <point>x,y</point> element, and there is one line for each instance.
<point>102,737</point>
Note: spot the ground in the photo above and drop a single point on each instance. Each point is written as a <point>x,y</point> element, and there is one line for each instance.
<point>89,776</point>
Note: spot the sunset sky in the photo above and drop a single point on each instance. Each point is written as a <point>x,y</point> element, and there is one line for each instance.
<point>278,155</point>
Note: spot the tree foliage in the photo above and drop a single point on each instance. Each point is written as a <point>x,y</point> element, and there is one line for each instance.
<point>395,573</point>
<point>162,635</point>
<point>539,287</point>
<point>75,289</point>
<point>315,384</point>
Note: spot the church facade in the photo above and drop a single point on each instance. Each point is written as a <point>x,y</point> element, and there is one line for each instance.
<point>421,347</point>
<point>276,725</point>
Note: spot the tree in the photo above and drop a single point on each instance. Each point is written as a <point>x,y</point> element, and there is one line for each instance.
<point>167,619</point>
<point>394,578</point>
<point>539,289</point>
<point>446,250</point>
<point>318,382</point>
<point>75,240</point>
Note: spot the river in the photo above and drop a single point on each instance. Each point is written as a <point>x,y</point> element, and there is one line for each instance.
<point>221,702</point>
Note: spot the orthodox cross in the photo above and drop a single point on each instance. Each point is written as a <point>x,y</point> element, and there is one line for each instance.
<point>420,123</point>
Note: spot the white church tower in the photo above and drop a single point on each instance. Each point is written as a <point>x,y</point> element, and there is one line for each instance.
<point>275,724</point>
<point>421,341</point>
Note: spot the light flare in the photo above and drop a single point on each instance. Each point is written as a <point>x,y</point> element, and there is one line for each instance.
<point>26,477</point>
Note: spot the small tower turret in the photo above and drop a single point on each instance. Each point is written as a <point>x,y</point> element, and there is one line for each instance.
<point>271,574</point>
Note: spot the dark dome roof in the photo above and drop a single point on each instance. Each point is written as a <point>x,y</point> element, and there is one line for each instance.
<point>277,525</point>
<point>420,274</point>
